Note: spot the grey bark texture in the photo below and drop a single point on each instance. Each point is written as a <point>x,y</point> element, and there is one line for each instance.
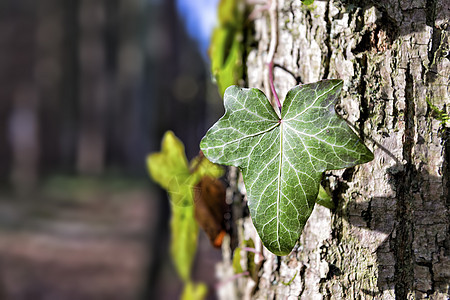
<point>388,237</point>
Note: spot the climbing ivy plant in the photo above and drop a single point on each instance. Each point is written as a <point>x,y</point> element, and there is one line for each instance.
<point>283,154</point>
<point>170,169</point>
<point>226,46</point>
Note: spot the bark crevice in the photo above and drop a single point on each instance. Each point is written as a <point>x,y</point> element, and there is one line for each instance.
<point>327,41</point>
<point>403,233</point>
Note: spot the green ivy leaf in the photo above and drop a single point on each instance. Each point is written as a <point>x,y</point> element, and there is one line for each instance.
<point>169,168</point>
<point>226,46</point>
<point>282,159</point>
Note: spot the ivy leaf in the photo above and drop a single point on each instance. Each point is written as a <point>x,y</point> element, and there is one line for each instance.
<point>282,158</point>
<point>226,46</point>
<point>170,169</point>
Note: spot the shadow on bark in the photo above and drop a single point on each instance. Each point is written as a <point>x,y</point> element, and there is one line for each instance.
<point>414,256</point>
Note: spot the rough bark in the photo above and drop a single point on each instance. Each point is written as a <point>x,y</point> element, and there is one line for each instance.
<point>388,238</point>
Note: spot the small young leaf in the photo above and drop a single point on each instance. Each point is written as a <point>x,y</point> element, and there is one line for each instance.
<point>194,291</point>
<point>170,163</point>
<point>324,199</point>
<point>252,267</point>
<point>170,169</point>
<point>237,267</point>
<point>282,159</point>
<point>307,2</point>
<point>226,46</point>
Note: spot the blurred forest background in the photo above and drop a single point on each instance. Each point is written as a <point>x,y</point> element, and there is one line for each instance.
<point>87,89</point>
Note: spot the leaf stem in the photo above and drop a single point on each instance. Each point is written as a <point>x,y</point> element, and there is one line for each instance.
<point>290,281</point>
<point>232,278</point>
<point>272,86</point>
<point>248,249</point>
<point>272,48</point>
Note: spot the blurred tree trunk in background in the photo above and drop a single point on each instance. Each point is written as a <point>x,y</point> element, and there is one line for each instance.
<point>136,111</point>
<point>48,73</point>
<point>6,19</point>
<point>84,66</point>
<point>23,136</point>
<point>388,238</point>
<point>109,77</point>
<point>93,88</point>
<point>19,114</point>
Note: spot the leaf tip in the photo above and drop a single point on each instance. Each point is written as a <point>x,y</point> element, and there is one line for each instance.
<point>281,252</point>
<point>369,155</point>
<point>231,90</point>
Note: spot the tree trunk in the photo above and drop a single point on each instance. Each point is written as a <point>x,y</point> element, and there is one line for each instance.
<point>93,89</point>
<point>388,237</point>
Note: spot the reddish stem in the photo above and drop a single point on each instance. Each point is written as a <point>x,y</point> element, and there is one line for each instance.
<point>272,86</point>
<point>254,251</point>
<point>232,278</point>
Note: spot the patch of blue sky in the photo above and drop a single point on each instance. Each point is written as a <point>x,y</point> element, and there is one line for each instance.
<point>200,17</point>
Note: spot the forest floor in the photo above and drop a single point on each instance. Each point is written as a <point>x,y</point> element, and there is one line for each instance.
<point>90,239</point>
<point>75,239</point>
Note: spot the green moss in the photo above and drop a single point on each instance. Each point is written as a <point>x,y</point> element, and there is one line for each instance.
<point>438,114</point>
